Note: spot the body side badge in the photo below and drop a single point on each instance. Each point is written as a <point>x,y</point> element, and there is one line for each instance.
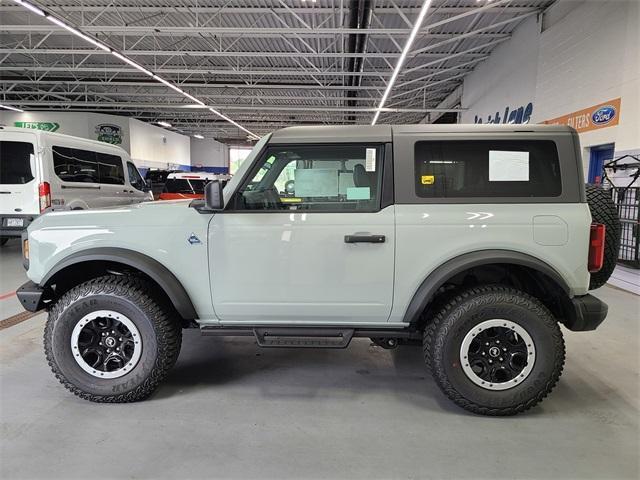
<point>193,239</point>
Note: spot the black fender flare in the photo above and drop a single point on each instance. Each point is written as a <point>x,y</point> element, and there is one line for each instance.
<point>147,265</point>
<point>447,270</point>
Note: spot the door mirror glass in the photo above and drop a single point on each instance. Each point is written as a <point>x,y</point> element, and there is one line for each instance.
<point>213,195</point>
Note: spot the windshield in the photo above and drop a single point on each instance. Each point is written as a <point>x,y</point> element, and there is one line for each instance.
<point>15,163</point>
<point>242,169</point>
<point>183,185</point>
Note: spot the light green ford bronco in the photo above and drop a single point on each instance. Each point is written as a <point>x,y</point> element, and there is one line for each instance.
<point>475,241</point>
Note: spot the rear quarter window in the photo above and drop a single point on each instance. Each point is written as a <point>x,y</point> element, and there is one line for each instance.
<point>15,163</point>
<point>487,168</point>
<point>86,166</point>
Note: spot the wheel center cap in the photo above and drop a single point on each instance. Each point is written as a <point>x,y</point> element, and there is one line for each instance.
<point>494,351</point>
<point>110,342</point>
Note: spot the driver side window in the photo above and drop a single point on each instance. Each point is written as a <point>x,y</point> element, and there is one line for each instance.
<point>314,178</point>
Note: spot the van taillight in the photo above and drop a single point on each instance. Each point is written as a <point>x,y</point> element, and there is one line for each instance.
<point>44,192</point>
<point>596,247</point>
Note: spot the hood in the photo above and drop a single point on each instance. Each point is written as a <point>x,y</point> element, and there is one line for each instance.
<point>160,213</point>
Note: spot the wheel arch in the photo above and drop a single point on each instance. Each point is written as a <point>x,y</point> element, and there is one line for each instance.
<point>95,259</point>
<point>431,285</point>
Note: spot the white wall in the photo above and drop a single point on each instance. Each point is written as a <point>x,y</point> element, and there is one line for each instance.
<point>82,125</point>
<point>587,53</point>
<point>209,153</point>
<point>506,79</point>
<point>590,56</point>
<point>153,146</point>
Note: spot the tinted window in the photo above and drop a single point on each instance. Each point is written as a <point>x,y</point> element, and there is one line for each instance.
<point>75,165</point>
<point>134,177</point>
<point>157,176</point>
<point>323,178</point>
<point>183,185</point>
<point>15,163</point>
<point>111,170</point>
<point>487,168</point>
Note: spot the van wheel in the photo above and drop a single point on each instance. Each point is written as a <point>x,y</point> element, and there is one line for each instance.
<point>603,210</point>
<point>494,350</point>
<point>109,340</point>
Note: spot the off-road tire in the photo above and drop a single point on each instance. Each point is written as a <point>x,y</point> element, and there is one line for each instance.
<point>443,338</point>
<point>603,210</point>
<point>156,321</point>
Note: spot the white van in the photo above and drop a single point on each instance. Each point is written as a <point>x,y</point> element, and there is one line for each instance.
<point>43,170</point>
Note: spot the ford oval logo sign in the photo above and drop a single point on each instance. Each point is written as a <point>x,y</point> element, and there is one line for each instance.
<point>603,115</point>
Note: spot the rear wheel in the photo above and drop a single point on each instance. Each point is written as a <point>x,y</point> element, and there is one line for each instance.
<point>110,340</point>
<point>494,350</point>
<point>604,211</point>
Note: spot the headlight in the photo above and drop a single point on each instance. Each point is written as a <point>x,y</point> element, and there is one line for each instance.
<point>25,250</point>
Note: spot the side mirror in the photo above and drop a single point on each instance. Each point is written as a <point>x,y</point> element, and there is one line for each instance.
<point>213,198</point>
<point>147,186</point>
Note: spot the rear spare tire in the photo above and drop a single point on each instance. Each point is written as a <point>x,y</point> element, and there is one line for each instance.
<point>604,211</point>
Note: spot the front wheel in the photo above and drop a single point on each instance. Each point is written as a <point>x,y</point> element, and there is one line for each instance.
<point>110,340</point>
<point>494,350</point>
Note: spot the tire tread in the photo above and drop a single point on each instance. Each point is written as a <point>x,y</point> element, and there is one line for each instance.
<point>134,289</point>
<point>436,332</point>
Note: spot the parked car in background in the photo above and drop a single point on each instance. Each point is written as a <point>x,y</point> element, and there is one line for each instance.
<point>156,179</point>
<point>43,170</point>
<point>188,185</point>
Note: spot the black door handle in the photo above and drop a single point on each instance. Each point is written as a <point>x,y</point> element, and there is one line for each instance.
<point>364,239</point>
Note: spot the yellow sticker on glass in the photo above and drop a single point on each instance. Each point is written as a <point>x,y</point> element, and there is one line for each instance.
<point>427,179</point>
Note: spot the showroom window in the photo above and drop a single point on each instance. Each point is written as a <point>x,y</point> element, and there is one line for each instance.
<point>319,178</point>
<point>487,168</point>
<point>75,165</point>
<point>16,163</point>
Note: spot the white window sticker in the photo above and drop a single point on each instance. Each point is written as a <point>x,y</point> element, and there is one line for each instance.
<point>316,182</point>
<point>506,166</point>
<point>370,165</point>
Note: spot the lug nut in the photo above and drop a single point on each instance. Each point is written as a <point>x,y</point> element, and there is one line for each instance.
<point>497,341</point>
<point>487,344</point>
<point>490,361</point>
<point>501,359</point>
<point>504,349</point>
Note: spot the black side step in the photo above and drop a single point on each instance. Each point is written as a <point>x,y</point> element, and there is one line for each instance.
<point>303,337</point>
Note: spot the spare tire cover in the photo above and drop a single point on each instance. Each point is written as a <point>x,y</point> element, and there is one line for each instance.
<point>603,210</point>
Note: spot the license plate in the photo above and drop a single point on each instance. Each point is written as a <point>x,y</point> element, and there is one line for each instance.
<point>15,222</point>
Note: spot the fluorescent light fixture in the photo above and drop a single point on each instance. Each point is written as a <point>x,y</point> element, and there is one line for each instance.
<point>198,136</point>
<point>127,60</point>
<point>28,6</point>
<point>132,63</point>
<point>403,56</point>
<point>168,84</point>
<point>78,33</point>
<point>13,109</point>
<point>191,97</point>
